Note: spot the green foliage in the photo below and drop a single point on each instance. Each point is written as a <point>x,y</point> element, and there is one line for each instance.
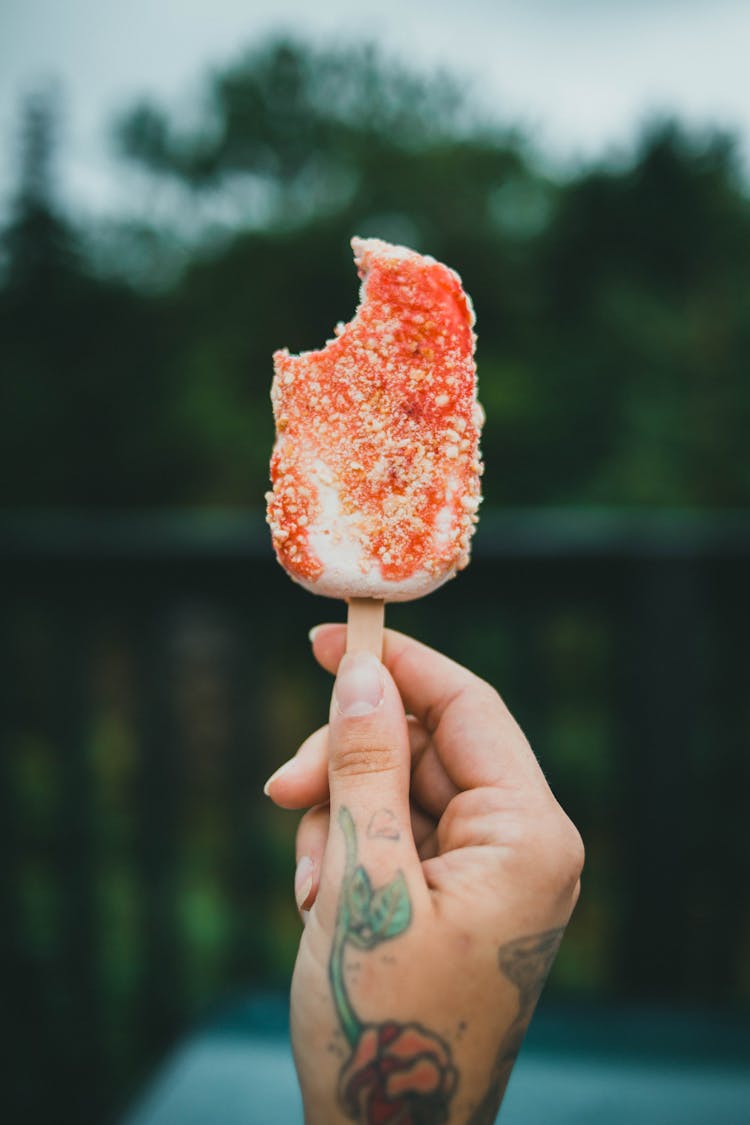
<point>613,307</point>
<point>306,123</point>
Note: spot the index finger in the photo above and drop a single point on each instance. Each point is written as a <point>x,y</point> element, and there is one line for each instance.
<point>477,739</point>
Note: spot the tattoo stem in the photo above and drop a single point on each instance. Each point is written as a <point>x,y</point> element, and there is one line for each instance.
<point>351,1026</point>
<point>349,1022</point>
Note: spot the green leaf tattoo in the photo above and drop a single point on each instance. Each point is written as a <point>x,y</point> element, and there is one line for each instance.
<point>359,896</point>
<point>375,916</point>
<point>390,909</point>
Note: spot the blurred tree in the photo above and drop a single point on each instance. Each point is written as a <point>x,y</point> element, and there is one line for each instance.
<point>39,245</point>
<point>303,127</point>
<point>612,307</point>
<point>648,314</point>
<point>85,399</point>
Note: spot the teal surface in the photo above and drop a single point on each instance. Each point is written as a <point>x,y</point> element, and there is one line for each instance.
<point>618,1068</point>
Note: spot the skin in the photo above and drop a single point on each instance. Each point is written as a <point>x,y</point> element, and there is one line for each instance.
<point>438,875</point>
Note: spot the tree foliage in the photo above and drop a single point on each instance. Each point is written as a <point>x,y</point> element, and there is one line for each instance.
<point>612,305</point>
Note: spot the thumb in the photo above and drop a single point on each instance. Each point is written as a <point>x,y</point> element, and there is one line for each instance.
<point>369,772</point>
<point>368,739</point>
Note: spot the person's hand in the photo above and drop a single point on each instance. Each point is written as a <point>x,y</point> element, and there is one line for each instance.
<point>435,885</point>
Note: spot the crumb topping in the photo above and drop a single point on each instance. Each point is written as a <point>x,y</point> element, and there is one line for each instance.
<point>386,415</point>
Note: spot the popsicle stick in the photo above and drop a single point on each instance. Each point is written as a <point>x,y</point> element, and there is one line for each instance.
<point>364,626</point>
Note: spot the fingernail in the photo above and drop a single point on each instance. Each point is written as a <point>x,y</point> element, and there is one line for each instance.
<point>359,684</point>
<point>303,880</point>
<point>305,914</point>
<point>313,632</point>
<point>277,773</point>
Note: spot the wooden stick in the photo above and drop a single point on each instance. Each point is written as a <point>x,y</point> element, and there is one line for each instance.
<point>364,632</point>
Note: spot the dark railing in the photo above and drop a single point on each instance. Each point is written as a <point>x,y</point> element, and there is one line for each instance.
<point>154,670</point>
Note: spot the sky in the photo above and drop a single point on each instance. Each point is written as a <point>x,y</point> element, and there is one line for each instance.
<point>580,75</point>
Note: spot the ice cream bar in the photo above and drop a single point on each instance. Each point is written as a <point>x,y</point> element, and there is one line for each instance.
<point>376,465</point>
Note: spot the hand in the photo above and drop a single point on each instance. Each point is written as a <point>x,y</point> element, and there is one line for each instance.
<point>437,884</point>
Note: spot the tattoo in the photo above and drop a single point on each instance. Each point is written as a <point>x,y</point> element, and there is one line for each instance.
<point>526,963</point>
<point>399,1073</point>
<point>383,826</point>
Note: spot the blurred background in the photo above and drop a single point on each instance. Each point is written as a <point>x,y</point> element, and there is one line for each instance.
<point>178,188</point>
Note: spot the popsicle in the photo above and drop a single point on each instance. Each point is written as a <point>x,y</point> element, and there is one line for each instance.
<point>376,465</point>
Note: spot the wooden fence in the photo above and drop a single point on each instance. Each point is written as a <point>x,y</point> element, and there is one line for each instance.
<point>154,669</point>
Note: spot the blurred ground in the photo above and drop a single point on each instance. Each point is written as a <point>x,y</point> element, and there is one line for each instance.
<point>576,1068</point>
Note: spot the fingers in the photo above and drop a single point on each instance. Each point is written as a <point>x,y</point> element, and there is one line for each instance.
<point>423,828</point>
<point>476,738</point>
<point>312,836</point>
<point>303,780</point>
<point>497,838</point>
<point>368,774</point>
<point>431,787</point>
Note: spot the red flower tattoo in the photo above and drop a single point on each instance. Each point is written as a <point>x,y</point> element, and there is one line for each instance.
<point>398,1074</point>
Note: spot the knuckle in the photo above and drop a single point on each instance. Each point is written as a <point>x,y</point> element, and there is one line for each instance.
<point>489,694</point>
<point>576,894</point>
<point>459,808</point>
<point>359,759</point>
<point>547,848</point>
<point>576,850</point>
<point>449,833</point>
<point>563,851</point>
